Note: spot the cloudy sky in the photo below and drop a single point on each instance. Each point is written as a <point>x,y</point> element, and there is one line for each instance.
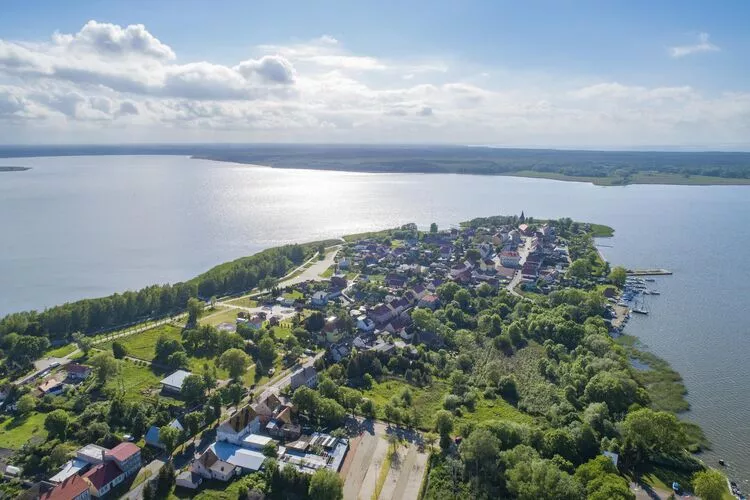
<point>614,74</point>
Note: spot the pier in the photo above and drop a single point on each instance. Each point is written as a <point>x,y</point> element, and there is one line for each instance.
<point>649,272</point>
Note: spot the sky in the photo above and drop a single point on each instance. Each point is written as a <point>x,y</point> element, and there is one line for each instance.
<point>558,73</point>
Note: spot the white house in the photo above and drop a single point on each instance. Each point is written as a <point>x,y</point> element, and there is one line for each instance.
<point>365,324</point>
<point>245,421</point>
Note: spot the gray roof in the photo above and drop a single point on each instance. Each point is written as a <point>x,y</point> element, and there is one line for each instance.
<point>176,379</point>
<point>237,456</point>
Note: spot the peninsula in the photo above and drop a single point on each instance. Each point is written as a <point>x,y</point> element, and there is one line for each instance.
<point>14,169</point>
<point>486,360</point>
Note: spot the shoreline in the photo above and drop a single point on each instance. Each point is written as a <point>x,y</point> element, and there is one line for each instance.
<point>641,178</point>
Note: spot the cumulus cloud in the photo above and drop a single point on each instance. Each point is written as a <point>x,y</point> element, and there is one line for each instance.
<point>703,45</point>
<point>113,40</point>
<point>87,84</point>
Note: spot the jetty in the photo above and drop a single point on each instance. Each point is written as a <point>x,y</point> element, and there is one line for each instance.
<point>649,272</point>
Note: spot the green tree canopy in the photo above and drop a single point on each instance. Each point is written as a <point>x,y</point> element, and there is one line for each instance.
<point>235,361</point>
<point>326,484</point>
<point>710,484</point>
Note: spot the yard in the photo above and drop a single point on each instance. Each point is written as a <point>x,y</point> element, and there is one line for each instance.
<point>15,432</point>
<point>220,315</point>
<point>243,302</point>
<point>427,400</point>
<point>142,345</point>
<point>135,380</point>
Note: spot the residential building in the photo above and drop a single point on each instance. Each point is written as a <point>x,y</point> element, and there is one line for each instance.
<point>77,372</point>
<point>103,478</point>
<point>73,488</point>
<point>209,466</point>
<point>510,259</point>
<point>152,435</point>
<point>319,299</point>
<point>430,302</point>
<point>245,421</point>
<point>307,376</point>
<point>173,382</point>
<point>51,386</point>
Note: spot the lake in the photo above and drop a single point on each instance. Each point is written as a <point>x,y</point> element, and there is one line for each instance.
<point>78,227</point>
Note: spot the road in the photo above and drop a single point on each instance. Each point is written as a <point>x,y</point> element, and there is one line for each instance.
<point>137,492</point>
<point>523,251</point>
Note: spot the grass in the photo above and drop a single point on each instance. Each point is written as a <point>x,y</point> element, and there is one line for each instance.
<point>601,231</point>
<point>243,302</point>
<point>62,351</point>
<point>328,272</point>
<point>15,432</point>
<point>294,295</point>
<point>212,490</point>
<point>136,380</point>
<point>220,315</point>
<point>385,467</point>
<point>427,400</point>
<point>143,345</point>
<point>493,409</point>
<point>282,332</point>
<point>143,474</point>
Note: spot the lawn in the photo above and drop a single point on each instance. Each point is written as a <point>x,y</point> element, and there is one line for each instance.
<point>282,332</point>
<point>243,302</point>
<point>294,295</point>
<point>61,351</point>
<point>142,345</point>
<point>328,272</point>
<point>220,315</point>
<point>15,432</point>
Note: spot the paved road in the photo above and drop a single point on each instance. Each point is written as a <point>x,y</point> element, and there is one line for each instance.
<point>137,492</point>
<point>523,251</point>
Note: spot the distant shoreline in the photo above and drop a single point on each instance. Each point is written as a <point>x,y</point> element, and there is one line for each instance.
<point>653,178</point>
<point>14,169</point>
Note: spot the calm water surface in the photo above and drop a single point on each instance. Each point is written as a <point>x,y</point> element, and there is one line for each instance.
<point>88,226</point>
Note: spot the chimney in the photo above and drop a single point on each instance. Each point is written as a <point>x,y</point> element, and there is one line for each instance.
<point>104,455</point>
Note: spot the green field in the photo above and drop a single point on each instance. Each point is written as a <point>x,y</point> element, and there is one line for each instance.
<point>493,409</point>
<point>427,400</point>
<point>61,351</point>
<point>142,345</point>
<point>243,302</point>
<point>15,432</point>
<point>136,381</point>
<point>220,315</point>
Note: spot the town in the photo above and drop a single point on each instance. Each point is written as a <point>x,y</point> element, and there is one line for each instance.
<point>310,381</point>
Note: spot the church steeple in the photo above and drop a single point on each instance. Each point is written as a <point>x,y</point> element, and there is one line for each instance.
<point>522,219</point>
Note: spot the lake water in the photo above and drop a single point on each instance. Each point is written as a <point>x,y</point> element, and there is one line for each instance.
<point>76,227</point>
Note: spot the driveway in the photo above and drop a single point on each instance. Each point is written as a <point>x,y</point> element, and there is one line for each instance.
<point>137,492</point>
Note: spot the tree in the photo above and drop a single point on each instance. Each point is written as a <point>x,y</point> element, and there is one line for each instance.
<point>178,359</point>
<point>270,449</point>
<point>367,407</point>
<point>617,390</point>
<point>266,352</point>
<point>235,361</point>
<point>105,366</point>
<point>480,450</point>
<point>710,484</point>
<point>601,480</point>
<point>193,389</point>
<point>618,276</point>
<point>169,436</point>
<point>165,480</point>
<point>444,423</point>
<point>194,308</point>
<point>648,433</point>
<point>25,405</point>
<point>325,484</point>
<point>83,342</point>
<point>193,421</point>
<point>148,491</point>
<point>57,423</point>
<point>118,350</point>
<point>214,407</point>
<point>540,479</point>
<point>433,228</point>
<point>579,269</point>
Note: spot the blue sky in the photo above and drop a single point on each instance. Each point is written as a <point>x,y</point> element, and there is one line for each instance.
<point>532,73</point>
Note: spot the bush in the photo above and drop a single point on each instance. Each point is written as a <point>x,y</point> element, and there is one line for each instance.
<point>451,402</point>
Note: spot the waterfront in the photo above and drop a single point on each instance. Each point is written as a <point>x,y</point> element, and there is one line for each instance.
<point>88,226</point>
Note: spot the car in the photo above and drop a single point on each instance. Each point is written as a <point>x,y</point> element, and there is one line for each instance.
<point>129,438</point>
<point>54,364</point>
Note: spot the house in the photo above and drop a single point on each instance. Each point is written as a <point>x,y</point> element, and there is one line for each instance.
<point>525,229</point>
<point>381,314</point>
<point>188,479</point>
<point>365,324</point>
<point>73,488</point>
<point>51,386</point>
<point>103,478</point>
<point>307,376</point>
<point>209,466</point>
<point>430,302</point>
<point>266,405</point>
<point>127,456</point>
<point>242,459</point>
<point>173,383</point>
<point>419,291</point>
<point>77,372</point>
<point>285,301</point>
<point>319,299</point>
<point>510,258</point>
<point>245,421</point>
<point>152,435</point>
<point>398,305</point>
<point>514,237</point>
<point>487,265</point>
<point>395,281</point>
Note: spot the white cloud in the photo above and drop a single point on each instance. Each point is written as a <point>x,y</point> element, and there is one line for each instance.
<point>91,85</point>
<point>703,45</point>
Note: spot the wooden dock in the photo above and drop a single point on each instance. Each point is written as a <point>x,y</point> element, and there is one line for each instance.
<point>649,272</point>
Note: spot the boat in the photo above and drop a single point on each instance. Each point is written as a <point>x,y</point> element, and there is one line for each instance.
<point>655,292</point>
<point>640,308</point>
<point>650,279</point>
<point>722,463</point>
